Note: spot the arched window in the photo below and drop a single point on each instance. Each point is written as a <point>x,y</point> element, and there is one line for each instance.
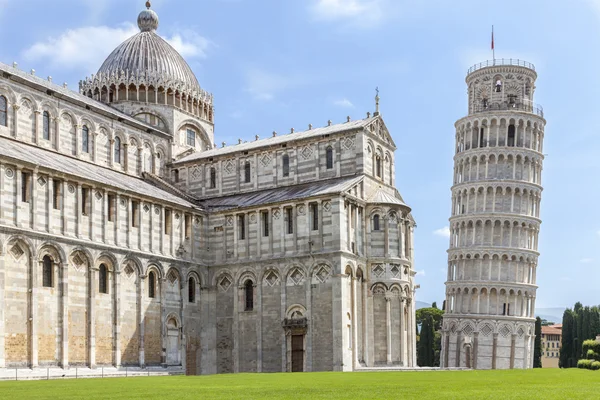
<point>247,171</point>
<point>85,139</point>
<point>329,157</point>
<point>46,121</point>
<point>3,111</point>
<point>191,290</point>
<point>286,165</point>
<point>249,294</point>
<point>118,150</point>
<point>213,178</point>
<point>103,279</point>
<point>511,135</point>
<point>376,222</point>
<point>378,166</point>
<point>152,285</point>
<point>47,272</point>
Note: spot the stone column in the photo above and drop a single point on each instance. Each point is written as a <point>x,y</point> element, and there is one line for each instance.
<point>403,342</point>
<point>513,340</point>
<point>56,133</point>
<point>77,210</point>
<point>163,315</point>
<point>475,348</point>
<point>494,350</point>
<point>117,316</point>
<point>64,313</point>
<point>92,316</point>
<point>141,318</point>
<point>15,120</point>
<point>34,195</point>
<point>34,266</point>
<point>388,325</point>
<point>235,352</point>
<point>37,114</point>
<point>355,294</point>
<point>77,140</point>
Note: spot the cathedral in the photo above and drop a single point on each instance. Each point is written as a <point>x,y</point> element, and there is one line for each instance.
<point>128,238</point>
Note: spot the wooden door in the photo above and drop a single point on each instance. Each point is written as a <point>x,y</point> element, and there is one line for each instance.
<point>297,353</point>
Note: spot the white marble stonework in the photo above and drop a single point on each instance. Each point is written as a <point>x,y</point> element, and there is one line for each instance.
<point>128,239</point>
<point>495,221</point>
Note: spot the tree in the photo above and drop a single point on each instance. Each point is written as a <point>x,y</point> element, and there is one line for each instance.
<point>434,305</point>
<point>435,313</point>
<point>426,351</point>
<point>567,344</point>
<point>537,351</point>
<point>430,338</point>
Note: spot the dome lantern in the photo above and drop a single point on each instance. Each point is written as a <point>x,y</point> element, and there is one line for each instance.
<point>148,19</point>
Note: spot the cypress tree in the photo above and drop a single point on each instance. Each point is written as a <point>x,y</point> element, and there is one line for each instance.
<point>537,351</point>
<point>566,348</point>
<point>426,351</point>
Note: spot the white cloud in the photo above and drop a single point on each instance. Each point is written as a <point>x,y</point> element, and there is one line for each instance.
<point>87,47</point>
<point>586,260</point>
<point>365,11</point>
<point>443,232</point>
<point>421,273</point>
<point>264,85</point>
<point>344,103</point>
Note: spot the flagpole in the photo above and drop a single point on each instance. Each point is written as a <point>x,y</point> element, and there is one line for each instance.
<point>493,47</point>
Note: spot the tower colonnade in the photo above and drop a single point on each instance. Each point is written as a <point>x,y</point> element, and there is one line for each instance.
<point>495,221</point>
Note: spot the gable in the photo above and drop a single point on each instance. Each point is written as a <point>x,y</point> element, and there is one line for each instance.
<point>378,128</point>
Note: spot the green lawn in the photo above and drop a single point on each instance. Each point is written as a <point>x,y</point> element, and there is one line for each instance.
<point>473,385</point>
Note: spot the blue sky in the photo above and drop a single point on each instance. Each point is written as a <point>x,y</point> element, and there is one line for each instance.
<point>275,64</point>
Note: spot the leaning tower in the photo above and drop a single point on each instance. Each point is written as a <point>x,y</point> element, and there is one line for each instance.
<point>492,260</point>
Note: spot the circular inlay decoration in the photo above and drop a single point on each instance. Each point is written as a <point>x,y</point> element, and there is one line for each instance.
<point>71,189</point>
<point>10,173</point>
<point>157,210</point>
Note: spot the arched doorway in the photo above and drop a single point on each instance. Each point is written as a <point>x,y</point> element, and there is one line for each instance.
<point>173,343</point>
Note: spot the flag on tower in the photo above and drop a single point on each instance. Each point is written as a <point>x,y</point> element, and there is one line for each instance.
<point>493,50</point>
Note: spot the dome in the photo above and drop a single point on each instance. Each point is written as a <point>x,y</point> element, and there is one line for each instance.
<point>149,56</point>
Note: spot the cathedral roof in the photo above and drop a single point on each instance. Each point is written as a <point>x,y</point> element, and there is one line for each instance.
<point>278,140</point>
<point>382,197</point>
<point>288,193</point>
<point>71,166</point>
<point>148,55</point>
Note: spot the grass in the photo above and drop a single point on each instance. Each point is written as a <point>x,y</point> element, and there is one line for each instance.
<point>475,385</point>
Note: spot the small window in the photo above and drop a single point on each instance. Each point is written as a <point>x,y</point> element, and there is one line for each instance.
<point>247,172</point>
<point>46,125</point>
<point>511,136</point>
<point>117,150</point>
<point>498,85</point>
<point>56,194</point>
<point>314,210</point>
<point>3,111</point>
<point>176,175</point>
<point>376,226</point>
<point>378,166</point>
<point>168,215</point>
<point>289,219</point>
<point>286,165</point>
<point>191,138</point>
<point>188,226</point>
<point>213,178</point>
<point>25,187</point>
<point>135,214</point>
<point>85,139</point>
<point>103,279</point>
<point>242,227</point>
<point>47,272</point>
<point>265,223</point>
<point>191,290</point>
<point>85,200</point>
<point>329,157</point>
<point>112,207</point>
<point>249,294</point>
<point>152,285</point>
